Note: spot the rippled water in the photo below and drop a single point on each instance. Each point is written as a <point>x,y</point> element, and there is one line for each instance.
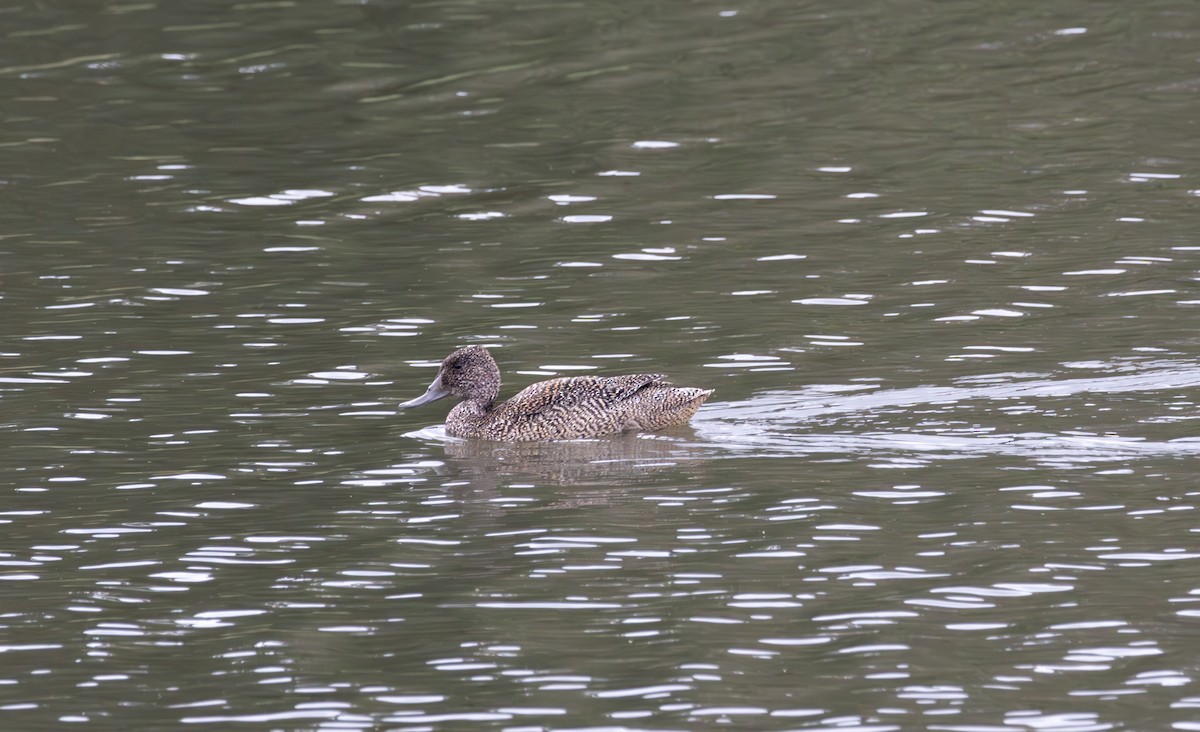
<point>938,261</point>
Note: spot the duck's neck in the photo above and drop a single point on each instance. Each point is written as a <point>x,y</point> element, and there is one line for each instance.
<point>471,415</point>
<point>472,411</point>
<point>484,393</point>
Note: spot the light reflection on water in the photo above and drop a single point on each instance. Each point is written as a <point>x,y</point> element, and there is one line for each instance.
<point>718,560</point>
<point>937,260</point>
<point>660,574</point>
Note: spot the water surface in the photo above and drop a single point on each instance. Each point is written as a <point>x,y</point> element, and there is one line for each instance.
<point>938,261</point>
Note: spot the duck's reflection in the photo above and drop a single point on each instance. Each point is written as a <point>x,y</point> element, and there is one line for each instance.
<point>618,460</point>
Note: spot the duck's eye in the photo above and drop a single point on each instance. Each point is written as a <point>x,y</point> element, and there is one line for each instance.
<point>457,366</point>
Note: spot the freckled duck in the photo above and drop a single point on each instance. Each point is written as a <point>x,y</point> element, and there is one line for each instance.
<point>569,408</point>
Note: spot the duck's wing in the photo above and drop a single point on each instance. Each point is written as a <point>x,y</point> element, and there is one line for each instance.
<point>624,387</point>
<point>573,392</point>
<point>590,406</point>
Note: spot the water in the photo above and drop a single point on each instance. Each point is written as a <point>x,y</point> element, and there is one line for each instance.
<point>937,260</point>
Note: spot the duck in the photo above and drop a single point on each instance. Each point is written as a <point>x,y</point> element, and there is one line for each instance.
<point>568,408</point>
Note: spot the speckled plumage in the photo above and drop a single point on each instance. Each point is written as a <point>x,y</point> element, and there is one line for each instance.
<point>559,409</point>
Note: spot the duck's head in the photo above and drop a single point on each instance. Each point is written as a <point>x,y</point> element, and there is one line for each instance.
<point>468,373</point>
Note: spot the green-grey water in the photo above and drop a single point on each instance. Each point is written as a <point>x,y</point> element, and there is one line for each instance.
<point>938,260</point>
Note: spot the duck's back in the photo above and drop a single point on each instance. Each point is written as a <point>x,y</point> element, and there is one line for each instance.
<point>590,406</point>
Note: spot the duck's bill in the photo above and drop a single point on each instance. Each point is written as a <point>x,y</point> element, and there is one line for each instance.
<point>432,394</point>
